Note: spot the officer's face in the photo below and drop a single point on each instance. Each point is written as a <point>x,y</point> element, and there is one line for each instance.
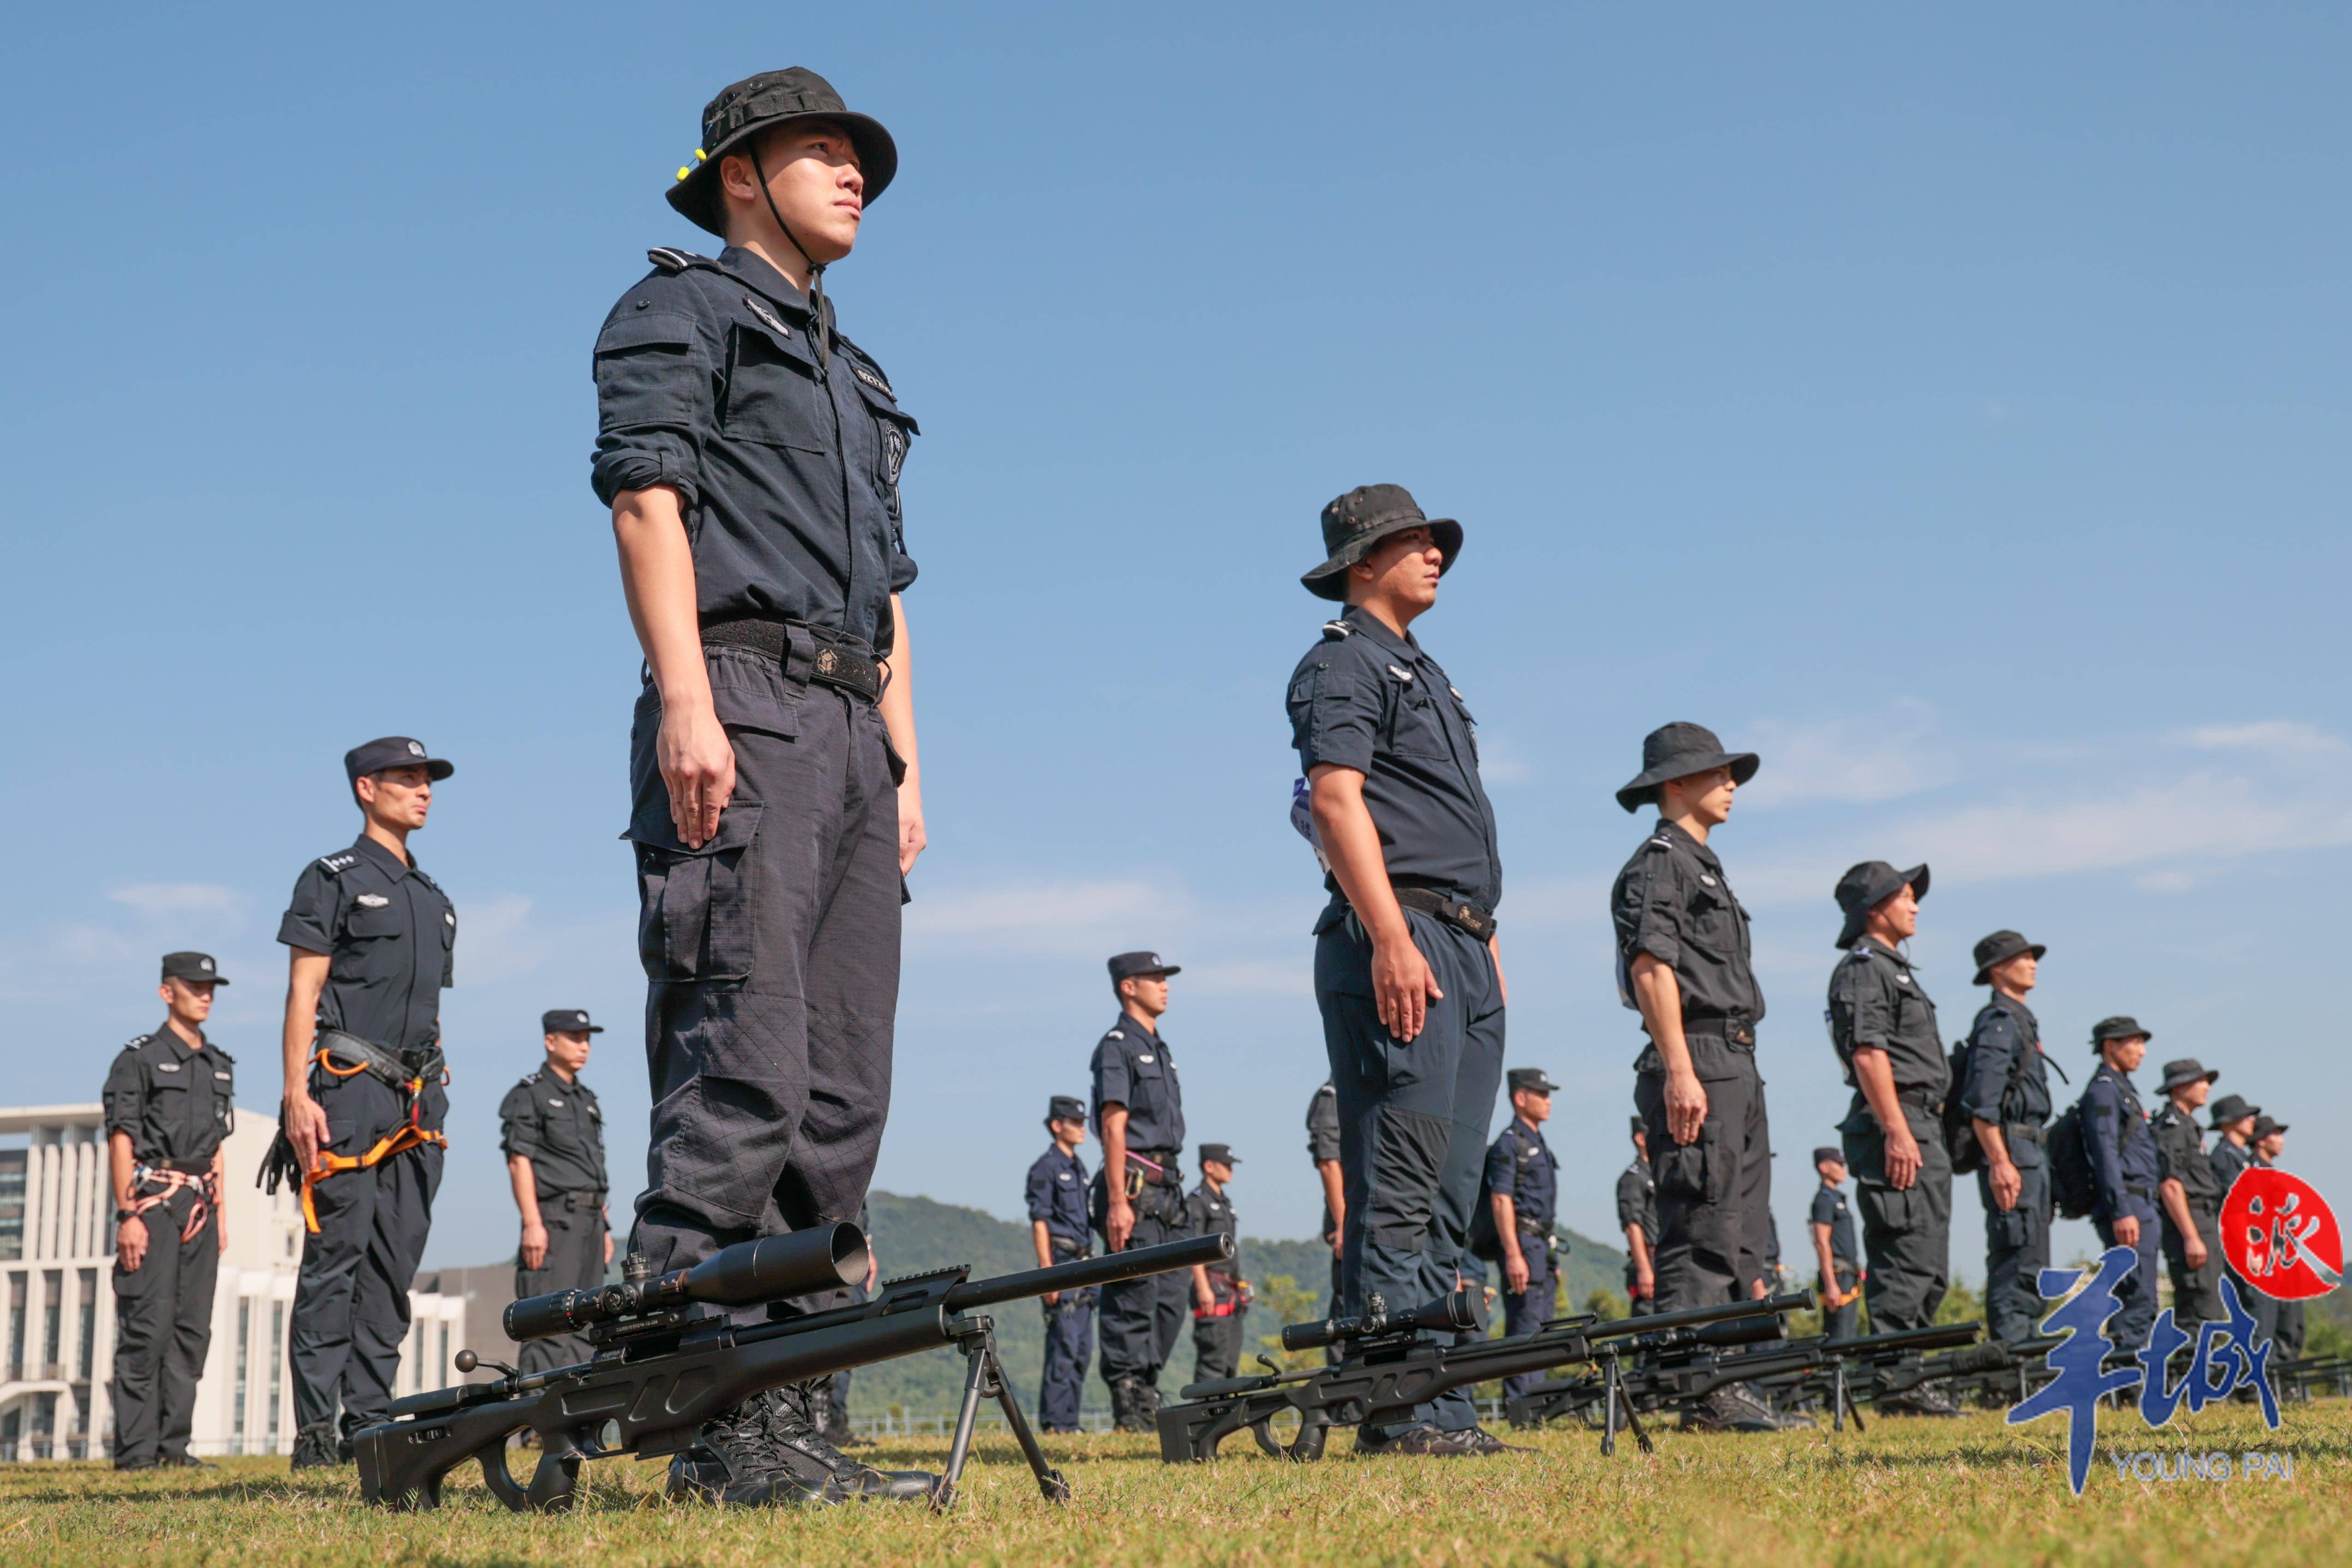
<point>569,1050</point>
<point>1534,1107</point>
<point>815,180</point>
<point>191,1001</point>
<point>1217,1171</point>
<point>1401,569</point>
<point>2016,976</point>
<point>2274,1145</point>
<point>398,797</point>
<point>2243,1129</point>
<point>1706,795</point>
<point>1833,1172</point>
<point>2128,1055</point>
<point>2193,1093</point>
<point>1148,992</point>
<point>1900,912</point>
<point>1066,1131</point>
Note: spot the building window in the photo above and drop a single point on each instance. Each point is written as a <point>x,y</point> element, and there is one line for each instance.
<point>45,1425</point>
<point>17,1326</point>
<point>78,1434</point>
<point>12,1203</point>
<point>52,1322</point>
<point>87,1344</point>
<point>237,1404</point>
<point>441,1367</point>
<point>11,1430</point>
<point>277,1364</point>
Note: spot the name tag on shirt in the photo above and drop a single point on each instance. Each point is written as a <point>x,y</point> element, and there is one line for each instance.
<point>1145,1059</point>
<point>371,901</point>
<point>167,1067</point>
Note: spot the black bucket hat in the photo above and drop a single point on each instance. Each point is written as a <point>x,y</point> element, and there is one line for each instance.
<point>2187,1070</point>
<point>2229,1108</point>
<point>2121,1026</point>
<point>1863,887</point>
<point>757,103</point>
<point>1677,751</point>
<point>1355,522</point>
<point>1999,948</point>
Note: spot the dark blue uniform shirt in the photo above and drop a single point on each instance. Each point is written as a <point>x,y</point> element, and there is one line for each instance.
<point>2181,1157</point>
<point>1521,1167</point>
<point>1057,1195</point>
<point>1877,1003</point>
<point>176,1105</point>
<point>1323,1143</point>
<point>2229,1162</point>
<point>787,460</point>
<point>1368,699</point>
<point>1830,1208</point>
<point>1132,1068</point>
<point>2123,1151</point>
<point>389,935</point>
<point>1673,902</point>
<point>1637,1201</point>
<point>2009,1078</point>
<point>560,1129</point>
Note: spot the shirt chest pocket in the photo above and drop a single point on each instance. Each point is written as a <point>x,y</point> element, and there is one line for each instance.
<point>1415,729</point>
<point>1149,1073</point>
<point>774,396</point>
<point>894,435</point>
<point>1713,915</point>
<point>224,1096</point>
<point>374,918</point>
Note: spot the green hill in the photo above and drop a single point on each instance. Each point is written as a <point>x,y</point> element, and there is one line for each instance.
<point>912,1234</point>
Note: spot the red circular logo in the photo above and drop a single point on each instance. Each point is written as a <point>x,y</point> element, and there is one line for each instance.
<point>2280,1235</point>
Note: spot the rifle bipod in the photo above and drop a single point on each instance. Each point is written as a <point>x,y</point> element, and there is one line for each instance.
<point>984,1377</point>
<point>1612,1396</point>
<point>1842,1402</point>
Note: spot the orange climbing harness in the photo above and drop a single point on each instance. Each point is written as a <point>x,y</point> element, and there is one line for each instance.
<point>409,1135</point>
<point>173,1181</point>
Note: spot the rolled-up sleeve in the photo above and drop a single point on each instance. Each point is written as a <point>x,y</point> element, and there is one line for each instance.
<point>1041,1194</point>
<point>2103,1129</point>
<point>1989,1066</point>
<point>1323,1128</point>
<point>1629,1201</point>
<point>653,399</point>
<point>125,1096</point>
<point>519,1116</point>
<point>1112,1086</point>
<point>1869,1006</point>
<point>1650,918</point>
<point>309,919</point>
<point>1502,1170</point>
<point>1335,713</point>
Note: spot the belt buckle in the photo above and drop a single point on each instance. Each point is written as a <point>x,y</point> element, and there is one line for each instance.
<point>828,661</point>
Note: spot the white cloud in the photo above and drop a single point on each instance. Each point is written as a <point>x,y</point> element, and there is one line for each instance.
<point>1253,978</point>
<point>1877,757</point>
<point>2165,881</point>
<point>178,897</point>
<point>2276,737</point>
<point>1060,917</point>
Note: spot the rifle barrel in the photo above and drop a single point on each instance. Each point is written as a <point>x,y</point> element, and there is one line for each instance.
<point>1109,1269</point>
<point>1693,1317</point>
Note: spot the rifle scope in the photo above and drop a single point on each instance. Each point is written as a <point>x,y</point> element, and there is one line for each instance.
<point>1464,1312</point>
<point>822,1257</point>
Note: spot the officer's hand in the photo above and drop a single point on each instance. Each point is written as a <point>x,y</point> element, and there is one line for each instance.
<point>306,1128</point>
<point>1403,985</point>
<point>2128,1230</point>
<point>220,1233</point>
<point>1646,1284</point>
<point>1204,1298</point>
<point>1052,1297</point>
<point>1902,1159</point>
<point>2006,1185</point>
<point>1685,1106</point>
<point>1515,1274</point>
<point>130,1245</point>
<point>1336,1240</point>
<point>534,1244</point>
<point>2193,1248</point>
<point>911,837</point>
<point>1118,1222</point>
<point>697,764</point>
<point>608,1248</point>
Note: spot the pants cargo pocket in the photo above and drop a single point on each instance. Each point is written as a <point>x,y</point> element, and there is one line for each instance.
<point>1407,1155</point>
<point>694,919</point>
<point>1696,1173</point>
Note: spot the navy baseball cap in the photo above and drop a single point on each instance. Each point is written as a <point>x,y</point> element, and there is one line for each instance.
<point>393,751</point>
<point>568,1020</point>
<point>1832,1156</point>
<point>1530,1078</point>
<point>1221,1152</point>
<point>196,967</point>
<point>1065,1108</point>
<point>1133,966</point>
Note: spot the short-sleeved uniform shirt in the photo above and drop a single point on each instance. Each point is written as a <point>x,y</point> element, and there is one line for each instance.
<point>1877,1003</point>
<point>1057,1195</point>
<point>390,936</point>
<point>787,458</point>
<point>1673,902</point>
<point>1323,1142</point>
<point>1132,1068</point>
<point>2123,1151</point>
<point>1830,1208</point>
<point>1637,1201</point>
<point>2181,1157</point>
<point>2009,1078</point>
<point>1368,699</point>
<point>1521,1167</point>
<point>1210,1213</point>
<point>560,1128</point>
<point>176,1105</point>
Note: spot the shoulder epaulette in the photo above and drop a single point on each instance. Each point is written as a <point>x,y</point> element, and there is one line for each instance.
<point>339,863</point>
<point>673,261</point>
<point>530,1078</point>
<point>1660,842</point>
<point>1116,1034</point>
<point>1333,631</point>
<point>136,1040</point>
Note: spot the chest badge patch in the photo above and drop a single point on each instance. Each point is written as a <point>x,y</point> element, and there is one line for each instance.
<point>768,317</point>
<point>1705,880</point>
<point>1902,980</point>
<point>371,901</point>
<point>167,1067</point>
<point>1405,675</point>
<point>1145,1059</point>
<point>1063,1176</point>
<point>449,917</point>
<point>555,1104</point>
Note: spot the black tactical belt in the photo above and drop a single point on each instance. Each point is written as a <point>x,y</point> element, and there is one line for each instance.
<point>592,1201</point>
<point>819,657</point>
<point>186,1168</point>
<point>1919,1097</point>
<point>2028,1131</point>
<point>1737,1031</point>
<point>397,1068</point>
<point>1452,910</point>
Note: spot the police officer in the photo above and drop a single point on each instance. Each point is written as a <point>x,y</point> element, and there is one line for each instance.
<point>554,1144</point>
<point>1883,1028</point>
<point>2280,1321</point>
<point>1323,1149</point>
<point>1408,971</point>
<point>1839,1274</point>
<point>2189,1196</point>
<point>2122,1170</point>
<point>751,455</point>
<point>2231,1154</point>
<point>1057,1230</point>
<point>370,941</point>
<point>1139,1195</point>
<point>1523,1186</point>
<point>1220,1297</point>
<point>2006,1095</point>
<point>1637,1217</point>
<point>170,1100</point>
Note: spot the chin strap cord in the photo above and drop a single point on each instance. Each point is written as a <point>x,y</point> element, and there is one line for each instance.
<point>820,310</point>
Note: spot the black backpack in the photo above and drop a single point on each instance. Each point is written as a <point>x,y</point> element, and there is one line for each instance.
<point>2073,1186</point>
<point>1959,1129</point>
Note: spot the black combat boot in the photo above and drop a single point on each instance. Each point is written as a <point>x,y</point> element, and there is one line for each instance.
<point>314,1448</point>
<point>1734,1407</point>
<point>1126,1406</point>
<point>1925,1400</point>
<point>735,1460</point>
<point>797,1435</point>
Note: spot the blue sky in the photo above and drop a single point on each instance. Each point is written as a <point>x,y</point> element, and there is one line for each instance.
<point>1942,405</point>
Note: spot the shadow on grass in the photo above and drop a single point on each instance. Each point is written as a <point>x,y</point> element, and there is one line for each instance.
<point>277,1490</point>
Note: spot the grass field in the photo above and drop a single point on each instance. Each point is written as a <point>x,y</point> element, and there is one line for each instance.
<point>1910,1491</point>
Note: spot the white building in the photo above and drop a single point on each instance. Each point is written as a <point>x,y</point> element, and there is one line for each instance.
<point>56,1260</point>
